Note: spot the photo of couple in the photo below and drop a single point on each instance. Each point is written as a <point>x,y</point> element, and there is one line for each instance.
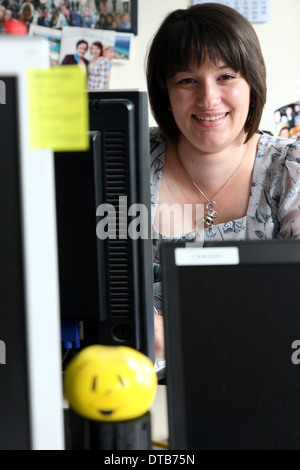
<point>97,68</point>
<point>93,49</point>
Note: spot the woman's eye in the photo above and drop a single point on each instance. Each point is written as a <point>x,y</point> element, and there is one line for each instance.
<point>227,77</point>
<point>186,81</point>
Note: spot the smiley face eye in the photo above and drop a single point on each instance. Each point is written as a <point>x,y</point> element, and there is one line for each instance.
<point>94,383</point>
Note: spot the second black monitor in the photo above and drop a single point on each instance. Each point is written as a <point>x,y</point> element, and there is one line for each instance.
<point>104,225</point>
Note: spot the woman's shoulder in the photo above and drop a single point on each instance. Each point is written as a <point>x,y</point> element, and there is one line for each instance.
<point>276,146</point>
<point>157,143</point>
<point>274,153</point>
<point>156,135</point>
<point>277,160</point>
<point>157,154</point>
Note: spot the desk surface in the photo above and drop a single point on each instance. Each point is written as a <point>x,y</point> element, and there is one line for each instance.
<point>159,415</point>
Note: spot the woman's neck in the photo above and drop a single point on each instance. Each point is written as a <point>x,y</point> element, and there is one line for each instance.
<point>208,169</point>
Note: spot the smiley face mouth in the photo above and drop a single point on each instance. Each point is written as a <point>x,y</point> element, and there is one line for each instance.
<point>105,412</point>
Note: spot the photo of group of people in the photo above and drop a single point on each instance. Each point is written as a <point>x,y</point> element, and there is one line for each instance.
<point>115,15</point>
<point>287,120</point>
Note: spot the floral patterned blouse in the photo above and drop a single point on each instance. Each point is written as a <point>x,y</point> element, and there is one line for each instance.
<point>274,203</point>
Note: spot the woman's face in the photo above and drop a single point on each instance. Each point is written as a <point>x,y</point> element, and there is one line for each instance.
<point>210,105</point>
<point>81,49</point>
<point>95,51</point>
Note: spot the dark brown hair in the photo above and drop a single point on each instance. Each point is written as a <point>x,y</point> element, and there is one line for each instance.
<point>82,41</point>
<point>188,36</point>
<point>99,45</point>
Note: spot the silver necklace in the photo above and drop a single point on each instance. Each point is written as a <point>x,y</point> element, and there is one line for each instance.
<point>211,212</point>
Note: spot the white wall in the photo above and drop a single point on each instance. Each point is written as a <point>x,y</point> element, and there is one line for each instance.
<point>279,40</point>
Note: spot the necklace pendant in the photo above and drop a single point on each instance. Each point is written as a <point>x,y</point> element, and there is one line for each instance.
<point>208,220</point>
<point>211,213</point>
<point>210,205</point>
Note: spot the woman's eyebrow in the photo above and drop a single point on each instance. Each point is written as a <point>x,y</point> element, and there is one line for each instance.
<point>184,71</point>
<point>224,66</point>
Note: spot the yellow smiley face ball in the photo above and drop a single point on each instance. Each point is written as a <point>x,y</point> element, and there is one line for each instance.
<point>110,383</point>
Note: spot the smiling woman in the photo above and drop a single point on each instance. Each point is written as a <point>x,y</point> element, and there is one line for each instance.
<point>206,99</point>
<point>216,32</point>
<point>206,79</point>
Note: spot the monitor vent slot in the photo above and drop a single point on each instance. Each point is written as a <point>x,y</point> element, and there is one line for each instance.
<point>119,275</point>
<point>115,163</point>
<point>116,182</point>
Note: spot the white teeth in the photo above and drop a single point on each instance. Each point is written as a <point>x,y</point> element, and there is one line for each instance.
<point>210,118</point>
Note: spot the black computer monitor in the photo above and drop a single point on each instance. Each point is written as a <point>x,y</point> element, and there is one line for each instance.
<point>231,314</point>
<point>31,416</point>
<point>105,253</point>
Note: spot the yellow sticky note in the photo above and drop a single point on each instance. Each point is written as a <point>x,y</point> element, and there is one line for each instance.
<point>58,108</point>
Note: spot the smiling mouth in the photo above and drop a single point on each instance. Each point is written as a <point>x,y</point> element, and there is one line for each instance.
<point>106,412</point>
<point>210,118</point>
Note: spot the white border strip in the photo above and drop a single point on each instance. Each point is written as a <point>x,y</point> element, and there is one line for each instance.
<point>206,256</point>
<point>19,53</point>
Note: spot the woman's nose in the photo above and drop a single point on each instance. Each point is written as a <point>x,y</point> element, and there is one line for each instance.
<point>208,95</point>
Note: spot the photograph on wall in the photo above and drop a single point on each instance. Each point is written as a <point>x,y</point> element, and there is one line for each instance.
<point>53,36</point>
<point>116,15</point>
<point>287,120</point>
<point>122,47</point>
<point>91,49</point>
<point>120,15</point>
